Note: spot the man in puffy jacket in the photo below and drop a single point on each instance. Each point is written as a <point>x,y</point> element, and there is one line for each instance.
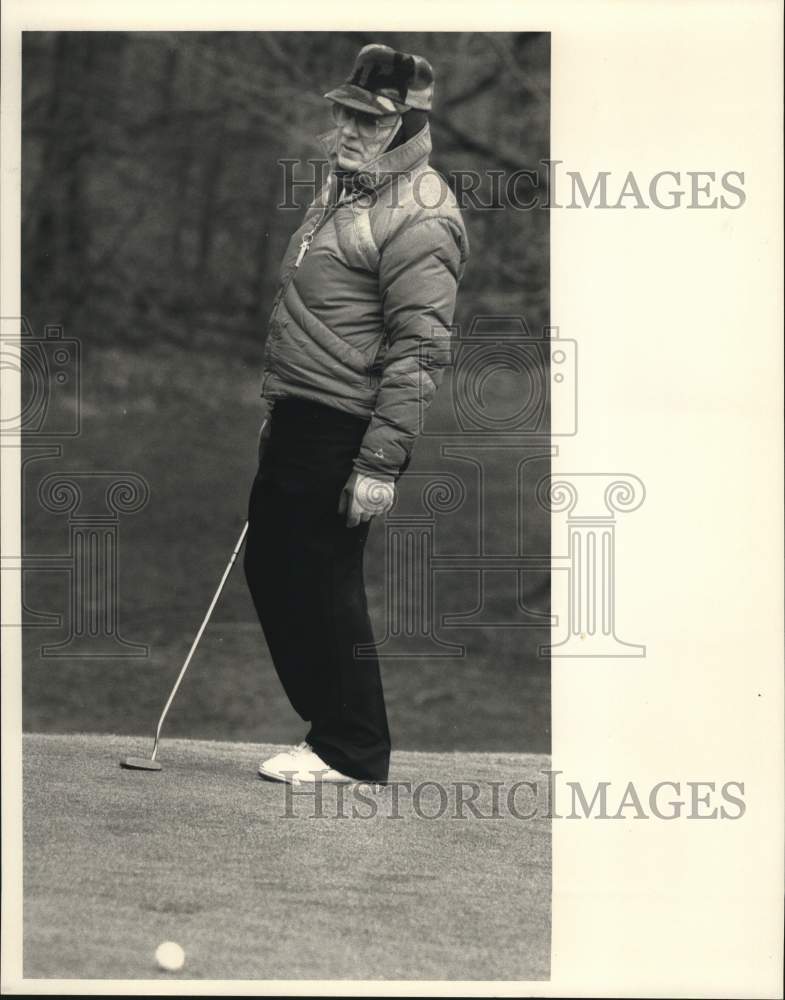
<point>357,343</point>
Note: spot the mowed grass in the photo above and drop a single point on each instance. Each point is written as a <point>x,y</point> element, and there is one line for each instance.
<point>203,853</point>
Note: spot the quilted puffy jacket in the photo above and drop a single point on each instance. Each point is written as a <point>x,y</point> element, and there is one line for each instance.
<point>361,320</point>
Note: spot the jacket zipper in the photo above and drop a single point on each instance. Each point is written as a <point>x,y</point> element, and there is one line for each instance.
<point>308,238</point>
<point>305,244</point>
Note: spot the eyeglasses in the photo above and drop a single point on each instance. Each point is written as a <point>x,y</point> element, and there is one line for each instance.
<point>368,125</point>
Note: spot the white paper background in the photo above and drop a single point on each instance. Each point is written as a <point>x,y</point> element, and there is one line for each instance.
<point>678,317</point>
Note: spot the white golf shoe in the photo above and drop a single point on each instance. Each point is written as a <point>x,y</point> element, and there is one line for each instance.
<point>299,766</point>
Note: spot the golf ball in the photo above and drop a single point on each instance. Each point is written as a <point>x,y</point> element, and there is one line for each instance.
<point>170,956</point>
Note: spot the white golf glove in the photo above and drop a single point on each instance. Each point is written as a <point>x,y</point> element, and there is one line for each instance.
<point>364,497</point>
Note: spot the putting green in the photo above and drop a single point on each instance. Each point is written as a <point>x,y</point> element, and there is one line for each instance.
<point>203,853</point>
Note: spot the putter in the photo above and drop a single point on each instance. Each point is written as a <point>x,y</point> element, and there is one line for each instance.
<point>151,764</point>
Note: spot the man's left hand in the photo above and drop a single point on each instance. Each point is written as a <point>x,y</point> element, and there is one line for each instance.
<point>363,497</point>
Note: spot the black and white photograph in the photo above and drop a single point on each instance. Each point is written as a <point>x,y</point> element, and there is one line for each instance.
<point>284,464</point>
<point>391,500</point>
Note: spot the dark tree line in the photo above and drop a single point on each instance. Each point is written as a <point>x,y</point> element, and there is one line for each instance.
<point>151,174</point>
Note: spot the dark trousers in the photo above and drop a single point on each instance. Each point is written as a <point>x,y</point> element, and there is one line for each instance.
<point>304,569</point>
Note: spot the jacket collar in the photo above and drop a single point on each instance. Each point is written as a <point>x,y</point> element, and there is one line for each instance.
<point>403,159</point>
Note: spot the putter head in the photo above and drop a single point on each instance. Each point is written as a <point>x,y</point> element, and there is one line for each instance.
<point>140,764</point>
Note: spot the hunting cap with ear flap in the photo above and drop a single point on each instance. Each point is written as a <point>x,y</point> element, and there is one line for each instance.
<point>385,81</point>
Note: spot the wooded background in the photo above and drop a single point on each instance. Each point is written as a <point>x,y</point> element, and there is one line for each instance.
<point>151,173</point>
<point>151,233</point>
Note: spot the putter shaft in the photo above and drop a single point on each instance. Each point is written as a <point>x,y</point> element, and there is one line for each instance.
<point>195,643</point>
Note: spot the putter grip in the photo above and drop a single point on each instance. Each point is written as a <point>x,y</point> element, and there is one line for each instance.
<point>264,437</point>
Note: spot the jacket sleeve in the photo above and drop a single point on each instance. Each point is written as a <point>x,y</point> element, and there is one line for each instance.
<point>419,272</point>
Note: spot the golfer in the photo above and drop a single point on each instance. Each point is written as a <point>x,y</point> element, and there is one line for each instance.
<point>357,343</point>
